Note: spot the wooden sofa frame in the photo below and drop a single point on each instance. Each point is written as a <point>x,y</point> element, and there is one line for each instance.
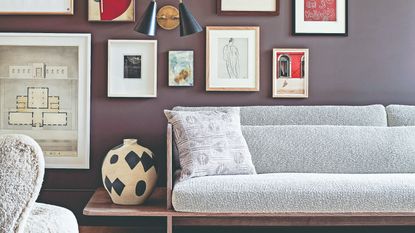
<point>276,219</point>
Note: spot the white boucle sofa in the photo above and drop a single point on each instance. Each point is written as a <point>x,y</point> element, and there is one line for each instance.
<point>315,159</point>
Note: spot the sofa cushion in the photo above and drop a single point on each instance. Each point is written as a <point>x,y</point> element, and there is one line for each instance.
<point>401,115</point>
<point>21,175</point>
<point>273,193</point>
<point>331,149</point>
<point>373,115</point>
<point>210,143</point>
<point>48,218</point>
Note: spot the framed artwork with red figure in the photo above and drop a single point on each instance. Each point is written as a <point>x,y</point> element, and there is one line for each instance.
<point>111,10</point>
<point>320,17</point>
<point>290,73</point>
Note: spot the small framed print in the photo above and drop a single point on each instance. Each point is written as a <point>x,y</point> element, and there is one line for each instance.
<point>232,58</point>
<point>248,7</point>
<point>132,68</point>
<point>290,73</point>
<point>37,7</point>
<point>181,68</point>
<point>111,10</point>
<point>320,17</point>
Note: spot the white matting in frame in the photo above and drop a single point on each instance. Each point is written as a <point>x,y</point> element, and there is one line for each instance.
<point>45,93</point>
<point>132,68</point>
<point>37,7</point>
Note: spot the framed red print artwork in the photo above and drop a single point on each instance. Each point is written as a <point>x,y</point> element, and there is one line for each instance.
<point>290,73</point>
<point>111,10</point>
<point>320,17</point>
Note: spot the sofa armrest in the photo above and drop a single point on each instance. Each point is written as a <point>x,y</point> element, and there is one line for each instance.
<point>169,166</point>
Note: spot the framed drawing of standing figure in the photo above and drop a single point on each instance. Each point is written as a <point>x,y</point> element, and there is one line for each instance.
<point>232,59</point>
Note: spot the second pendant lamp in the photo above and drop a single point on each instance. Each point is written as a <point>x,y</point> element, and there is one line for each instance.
<point>148,23</point>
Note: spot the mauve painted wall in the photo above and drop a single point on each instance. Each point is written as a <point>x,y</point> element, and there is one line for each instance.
<point>375,64</point>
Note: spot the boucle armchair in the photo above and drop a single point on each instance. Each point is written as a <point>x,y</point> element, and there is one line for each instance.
<point>21,175</point>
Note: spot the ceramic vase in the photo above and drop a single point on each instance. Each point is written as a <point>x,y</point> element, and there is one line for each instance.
<point>129,173</point>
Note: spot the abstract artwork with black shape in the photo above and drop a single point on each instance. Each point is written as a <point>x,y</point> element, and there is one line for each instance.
<point>132,66</point>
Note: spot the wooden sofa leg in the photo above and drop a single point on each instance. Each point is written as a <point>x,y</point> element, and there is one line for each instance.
<point>169,224</point>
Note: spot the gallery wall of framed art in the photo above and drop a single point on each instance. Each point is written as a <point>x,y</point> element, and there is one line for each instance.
<point>45,93</point>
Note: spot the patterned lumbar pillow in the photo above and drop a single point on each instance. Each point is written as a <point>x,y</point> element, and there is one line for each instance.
<point>210,143</point>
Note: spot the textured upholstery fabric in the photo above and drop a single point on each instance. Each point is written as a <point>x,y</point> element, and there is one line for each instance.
<point>53,219</point>
<point>374,115</point>
<point>210,143</point>
<point>21,176</point>
<point>401,115</point>
<point>271,193</point>
<point>331,149</point>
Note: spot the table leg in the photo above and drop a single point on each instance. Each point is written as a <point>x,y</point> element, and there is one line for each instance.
<point>169,224</point>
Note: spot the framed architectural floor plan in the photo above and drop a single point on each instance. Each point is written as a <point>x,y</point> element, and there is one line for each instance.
<point>45,93</point>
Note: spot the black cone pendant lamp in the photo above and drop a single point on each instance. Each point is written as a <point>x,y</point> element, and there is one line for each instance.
<point>148,23</point>
<point>188,23</point>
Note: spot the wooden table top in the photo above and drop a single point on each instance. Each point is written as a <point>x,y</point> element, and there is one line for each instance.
<point>100,204</point>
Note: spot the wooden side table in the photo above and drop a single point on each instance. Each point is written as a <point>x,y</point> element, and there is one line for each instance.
<point>100,205</point>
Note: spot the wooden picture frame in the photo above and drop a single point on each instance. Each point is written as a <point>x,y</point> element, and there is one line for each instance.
<point>247,10</point>
<point>307,20</point>
<point>290,73</point>
<point>42,7</point>
<point>232,58</point>
<point>45,93</point>
<point>97,12</point>
<point>243,8</point>
<point>141,82</point>
<point>181,68</point>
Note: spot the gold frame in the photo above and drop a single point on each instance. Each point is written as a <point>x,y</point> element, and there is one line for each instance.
<point>275,93</point>
<point>113,21</point>
<point>257,58</point>
<point>71,12</point>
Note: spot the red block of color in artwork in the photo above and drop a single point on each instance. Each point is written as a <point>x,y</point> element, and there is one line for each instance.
<point>295,63</point>
<point>111,9</point>
<point>320,10</point>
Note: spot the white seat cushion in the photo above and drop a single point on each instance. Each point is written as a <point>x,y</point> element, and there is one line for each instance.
<point>48,218</point>
<point>273,193</point>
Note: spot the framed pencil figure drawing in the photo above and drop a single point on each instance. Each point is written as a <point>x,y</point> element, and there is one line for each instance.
<point>320,17</point>
<point>290,73</point>
<point>45,93</point>
<point>232,58</point>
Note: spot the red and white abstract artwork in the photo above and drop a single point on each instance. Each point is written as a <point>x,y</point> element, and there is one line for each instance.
<point>111,10</point>
<point>320,10</point>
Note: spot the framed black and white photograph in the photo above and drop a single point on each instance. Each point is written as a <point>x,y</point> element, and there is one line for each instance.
<point>132,68</point>
<point>45,83</point>
<point>248,7</point>
<point>232,59</point>
<point>320,17</point>
<point>37,7</point>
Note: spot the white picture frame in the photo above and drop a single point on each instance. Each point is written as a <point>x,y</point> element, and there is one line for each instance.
<point>232,58</point>
<point>36,7</point>
<point>294,82</point>
<point>144,86</point>
<point>55,67</point>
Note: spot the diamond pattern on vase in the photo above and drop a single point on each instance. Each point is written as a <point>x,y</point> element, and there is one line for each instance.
<point>147,161</point>
<point>132,159</point>
<point>118,186</point>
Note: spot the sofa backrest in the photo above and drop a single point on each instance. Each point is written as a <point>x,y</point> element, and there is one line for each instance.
<point>373,115</point>
<point>331,149</point>
<point>401,115</point>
